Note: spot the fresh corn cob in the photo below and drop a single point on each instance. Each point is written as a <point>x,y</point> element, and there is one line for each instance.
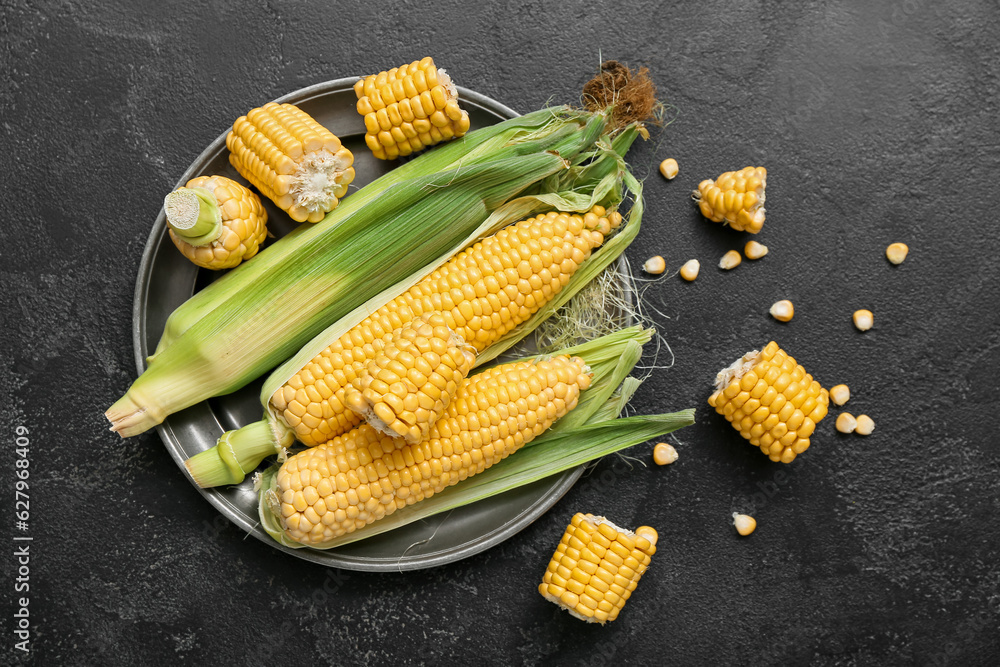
<point>771,401</point>
<point>332,268</point>
<point>362,476</point>
<point>215,222</point>
<point>735,198</point>
<point>482,293</point>
<point>409,108</point>
<point>595,568</point>
<point>294,161</point>
<point>404,389</point>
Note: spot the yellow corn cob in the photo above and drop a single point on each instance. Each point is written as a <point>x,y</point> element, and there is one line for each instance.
<point>361,476</point>
<point>215,222</point>
<point>482,293</point>
<point>771,401</point>
<point>405,388</point>
<point>294,161</point>
<point>595,568</point>
<point>409,108</point>
<point>735,198</point>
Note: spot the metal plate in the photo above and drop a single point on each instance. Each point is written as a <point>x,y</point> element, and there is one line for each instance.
<point>166,279</point>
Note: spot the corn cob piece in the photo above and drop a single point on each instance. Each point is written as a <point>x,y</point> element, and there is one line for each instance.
<point>405,388</point>
<point>596,567</point>
<point>482,293</point>
<point>294,161</point>
<point>215,222</point>
<point>362,476</point>
<point>771,401</point>
<point>735,198</point>
<point>409,108</point>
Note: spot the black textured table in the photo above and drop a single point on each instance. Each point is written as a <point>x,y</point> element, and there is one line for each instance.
<point>877,123</point>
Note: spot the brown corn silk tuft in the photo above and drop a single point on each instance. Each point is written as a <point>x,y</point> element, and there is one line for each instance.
<point>633,94</point>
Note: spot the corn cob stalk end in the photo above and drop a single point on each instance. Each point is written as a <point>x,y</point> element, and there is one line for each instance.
<point>237,454</point>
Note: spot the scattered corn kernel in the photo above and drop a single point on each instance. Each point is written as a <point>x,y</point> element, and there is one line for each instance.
<point>745,524</point>
<point>863,319</point>
<point>664,454</point>
<point>669,168</point>
<point>783,310</point>
<point>596,567</point>
<point>840,394</point>
<point>754,250</point>
<point>649,533</point>
<point>865,425</point>
<point>730,260</point>
<point>896,252</point>
<point>846,423</point>
<point>654,265</point>
<point>690,269</point>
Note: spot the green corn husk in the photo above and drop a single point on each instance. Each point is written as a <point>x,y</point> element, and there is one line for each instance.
<point>472,148</point>
<point>604,172</point>
<point>335,267</point>
<point>592,432</point>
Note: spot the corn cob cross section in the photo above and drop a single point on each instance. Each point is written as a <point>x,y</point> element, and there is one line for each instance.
<point>294,161</point>
<point>482,293</point>
<point>735,198</point>
<point>405,388</point>
<point>409,108</point>
<point>215,222</point>
<point>771,400</point>
<point>362,476</point>
<point>595,568</point>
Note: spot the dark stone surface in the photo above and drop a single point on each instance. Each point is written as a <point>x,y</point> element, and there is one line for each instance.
<point>877,122</point>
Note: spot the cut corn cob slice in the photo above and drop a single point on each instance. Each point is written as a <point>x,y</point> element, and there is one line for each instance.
<point>482,293</point>
<point>735,198</point>
<point>595,568</point>
<point>294,161</point>
<point>409,108</point>
<point>333,268</point>
<point>215,222</point>
<point>362,476</point>
<point>404,389</point>
<point>771,401</point>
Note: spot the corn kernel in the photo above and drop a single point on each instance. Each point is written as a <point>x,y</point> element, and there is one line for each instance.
<point>840,394</point>
<point>896,252</point>
<point>664,454</point>
<point>754,250</point>
<point>745,524</point>
<point>730,260</point>
<point>846,423</point>
<point>690,269</point>
<point>654,265</point>
<point>669,168</point>
<point>863,319</point>
<point>783,310</point>
<point>649,533</point>
<point>865,425</point>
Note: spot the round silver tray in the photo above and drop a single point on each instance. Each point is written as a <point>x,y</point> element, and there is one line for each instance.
<point>166,279</point>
